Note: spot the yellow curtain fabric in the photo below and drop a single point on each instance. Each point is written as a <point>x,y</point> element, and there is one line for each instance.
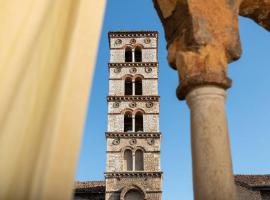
<point>47,57</point>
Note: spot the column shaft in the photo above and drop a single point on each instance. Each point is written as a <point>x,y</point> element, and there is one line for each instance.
<point>211,157</point>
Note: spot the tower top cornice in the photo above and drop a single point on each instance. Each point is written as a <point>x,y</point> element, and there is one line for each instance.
<point>132,34</point>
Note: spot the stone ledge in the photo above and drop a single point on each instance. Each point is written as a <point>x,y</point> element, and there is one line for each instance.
<point>132,174</point>
<point>132,34</point>
<point>148,192</point>
<point>133,64</point>
<point>133,134</point>
<point>132,98</point>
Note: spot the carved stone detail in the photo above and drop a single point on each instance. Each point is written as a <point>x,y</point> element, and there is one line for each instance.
<point>116,141</point>
<point>133,141</point>
<point>149,104</point>
<point>132,41</point>
<point>150,141</point>
<point>133,70</point>
<point>118,42</point>
<point>147,40</point>
<point>116,104</point>
<point>132,105</point>
<point>117,70</point>
<point>148,69</point>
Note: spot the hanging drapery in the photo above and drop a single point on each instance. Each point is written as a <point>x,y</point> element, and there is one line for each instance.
<point>47,57</point>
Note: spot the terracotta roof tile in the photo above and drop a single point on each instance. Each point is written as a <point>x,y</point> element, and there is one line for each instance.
<point>90,186</point>
<point>253,180</point>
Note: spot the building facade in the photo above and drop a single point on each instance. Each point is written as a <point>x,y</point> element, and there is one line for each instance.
<point>133,136</point>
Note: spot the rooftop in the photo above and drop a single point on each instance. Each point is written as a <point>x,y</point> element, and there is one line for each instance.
<point>253,181</point>
<point>90,186</point>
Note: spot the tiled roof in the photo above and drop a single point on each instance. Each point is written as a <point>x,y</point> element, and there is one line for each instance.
<point>253,181</point>
<point>90,186</point>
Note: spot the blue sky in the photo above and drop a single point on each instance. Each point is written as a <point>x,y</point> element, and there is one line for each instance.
<point>248,108</point>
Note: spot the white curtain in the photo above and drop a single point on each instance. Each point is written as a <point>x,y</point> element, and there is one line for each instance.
<point>47,57</point>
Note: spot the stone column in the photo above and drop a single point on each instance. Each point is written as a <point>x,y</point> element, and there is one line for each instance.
<point>212,166</point>
<point>202,38</point>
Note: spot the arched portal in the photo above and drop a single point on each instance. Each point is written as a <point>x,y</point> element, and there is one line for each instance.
<point>134,194</point>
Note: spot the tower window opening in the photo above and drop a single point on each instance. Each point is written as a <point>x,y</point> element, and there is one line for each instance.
<point>138,54</point>
<point>128,54</point>
<point>138,122</point>
<point>128,160</point>
<point>138,86</point>
<point>128,86</point>
<point>139,160</point>
<point>128,122</point>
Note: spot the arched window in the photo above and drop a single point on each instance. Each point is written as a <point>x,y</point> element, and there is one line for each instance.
<point>139,160</point>
<point>138,86</point>
<point>128,122</point>
<point>128,86</point>
<point>134,195</point>
<point>128,161</point>
<point>138,122</point>
<point>128,54</point>
<point>138,54</point>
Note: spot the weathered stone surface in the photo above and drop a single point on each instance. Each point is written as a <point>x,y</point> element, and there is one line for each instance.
<point>202,38</point>
<point>133,157</point>
<point>258,10</point>
<point>211,157</point>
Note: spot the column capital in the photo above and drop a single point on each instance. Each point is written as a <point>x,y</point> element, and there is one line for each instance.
<point>202,38</point>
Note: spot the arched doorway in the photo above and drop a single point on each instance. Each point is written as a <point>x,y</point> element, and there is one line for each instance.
<point>134,194</point>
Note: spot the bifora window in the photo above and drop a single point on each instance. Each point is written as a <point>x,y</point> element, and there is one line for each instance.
<point>133,55</point>
<point>133,87</point>
<point>133,123</point>
<point>133,161</point>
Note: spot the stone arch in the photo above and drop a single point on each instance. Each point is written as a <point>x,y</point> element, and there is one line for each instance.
<point>140,148</point>
<point>138,110</point>
<point>127,76</point>
<point>138,75</point>
<point>133,187</point>
<point>127,110</point>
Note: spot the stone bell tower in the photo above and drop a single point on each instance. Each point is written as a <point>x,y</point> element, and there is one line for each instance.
<point>133,138</point>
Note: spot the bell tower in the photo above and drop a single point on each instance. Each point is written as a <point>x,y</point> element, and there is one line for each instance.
<point>133,136</point>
